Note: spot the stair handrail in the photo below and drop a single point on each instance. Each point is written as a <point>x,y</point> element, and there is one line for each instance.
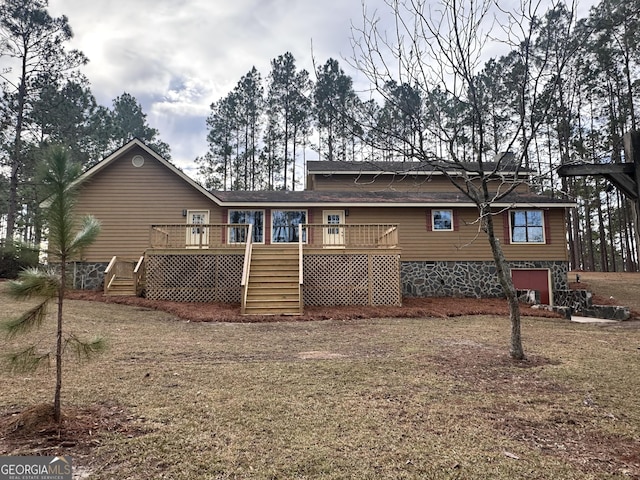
<point>111,264</point>
<point>139,264</point>
<point>138,273</point>
<point>246,267</point>
<point>300,255</point>
<point>108,274</point>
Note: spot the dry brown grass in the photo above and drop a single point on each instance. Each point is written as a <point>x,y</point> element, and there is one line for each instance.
<point>363,398</point>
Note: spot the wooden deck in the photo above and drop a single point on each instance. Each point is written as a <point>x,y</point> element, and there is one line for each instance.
<point>329,265</point>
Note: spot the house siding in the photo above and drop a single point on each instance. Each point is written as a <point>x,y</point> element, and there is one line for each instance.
<point>127,200</point>
<point>467,243</point>
<point>381,183</point>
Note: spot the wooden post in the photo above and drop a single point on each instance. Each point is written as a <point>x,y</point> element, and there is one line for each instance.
<point>632,153</point>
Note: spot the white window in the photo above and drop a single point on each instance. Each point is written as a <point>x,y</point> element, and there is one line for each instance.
<point>442,220</point>
<point>253,217</point>
<point>527,226</point>
<point>284,225</point>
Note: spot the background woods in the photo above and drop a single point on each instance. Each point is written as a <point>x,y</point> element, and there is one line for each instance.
<point>262,132</point>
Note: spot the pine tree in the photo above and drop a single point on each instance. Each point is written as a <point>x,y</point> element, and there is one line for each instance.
<point>67,238</point>
<point>36,41</point>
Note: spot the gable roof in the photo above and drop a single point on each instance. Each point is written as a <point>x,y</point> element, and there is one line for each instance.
<point>312,198</point>
<point>136,142</point>
<point>359,198</point>
<point>325,167</point>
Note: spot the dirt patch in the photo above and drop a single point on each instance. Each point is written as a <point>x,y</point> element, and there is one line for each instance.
<point>569,437</point>
<point>440,307</point>
<point>491,369</point>
<point>34,431</point>
<point>319,355</point>
<point>485,370</point>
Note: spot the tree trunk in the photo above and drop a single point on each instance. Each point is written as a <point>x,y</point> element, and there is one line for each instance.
<point>590,254</point>
<point>12,210</point>
<point>612,245</point>
<point>56,399</point>
<point>504,276</point>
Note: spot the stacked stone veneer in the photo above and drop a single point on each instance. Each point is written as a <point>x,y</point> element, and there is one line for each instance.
<point>87,275</point>
<point>467,279</point>
<point>580,302</point>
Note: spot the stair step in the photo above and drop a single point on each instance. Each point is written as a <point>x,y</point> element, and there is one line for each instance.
<point>121,291</point>
<point>275,252</point>
<point>267,278</point>
<point>273,287</point>
<point>291,289</point>
<point>274,269</point>
<point>264,306</point>
<point>256,298</point>
<point>272,312</point>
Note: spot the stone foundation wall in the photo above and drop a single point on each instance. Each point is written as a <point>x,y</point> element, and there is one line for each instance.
<point>418,279</point>
<point>580,302</point>
<point>87,276</point>
<point>467,279</point>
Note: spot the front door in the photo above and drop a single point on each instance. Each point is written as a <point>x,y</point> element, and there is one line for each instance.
<point>333,236</point>
<point>197,237</point>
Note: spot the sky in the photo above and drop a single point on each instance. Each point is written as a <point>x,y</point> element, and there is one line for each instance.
<point>178,56</point>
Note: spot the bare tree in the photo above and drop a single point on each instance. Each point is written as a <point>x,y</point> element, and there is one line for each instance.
<point>439,49</point>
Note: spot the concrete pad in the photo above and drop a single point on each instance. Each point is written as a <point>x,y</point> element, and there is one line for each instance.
<point>577,319</point>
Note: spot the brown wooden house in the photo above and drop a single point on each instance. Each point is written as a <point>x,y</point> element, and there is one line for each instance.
<point>361,233</point>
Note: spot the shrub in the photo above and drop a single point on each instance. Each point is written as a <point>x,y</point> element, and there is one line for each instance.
<point>15,257</point>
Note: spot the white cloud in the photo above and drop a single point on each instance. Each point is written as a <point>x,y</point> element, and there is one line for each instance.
<point>178,56</point>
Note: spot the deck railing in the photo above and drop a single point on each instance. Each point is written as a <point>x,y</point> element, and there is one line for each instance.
<point>206,236</point>
<point>368,235</point>
<point>198,235</point>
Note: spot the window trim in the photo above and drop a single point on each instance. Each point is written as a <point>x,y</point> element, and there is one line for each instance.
<point>433,223</point>
<point>543,226</point>
<point>264,218</point>
<point>306,216</point>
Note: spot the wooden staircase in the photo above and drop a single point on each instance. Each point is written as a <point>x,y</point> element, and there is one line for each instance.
<point>124,278</point>
<point>122,286</point>
<point>273,286</point>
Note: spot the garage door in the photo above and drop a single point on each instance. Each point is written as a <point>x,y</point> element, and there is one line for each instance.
<point>533,280</point>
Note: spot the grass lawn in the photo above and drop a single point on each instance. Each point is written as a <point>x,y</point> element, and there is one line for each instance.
<point>376,398</point>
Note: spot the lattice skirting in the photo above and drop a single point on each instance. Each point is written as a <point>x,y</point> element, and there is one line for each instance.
<point>352,279</point>
<point>194,278</point>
